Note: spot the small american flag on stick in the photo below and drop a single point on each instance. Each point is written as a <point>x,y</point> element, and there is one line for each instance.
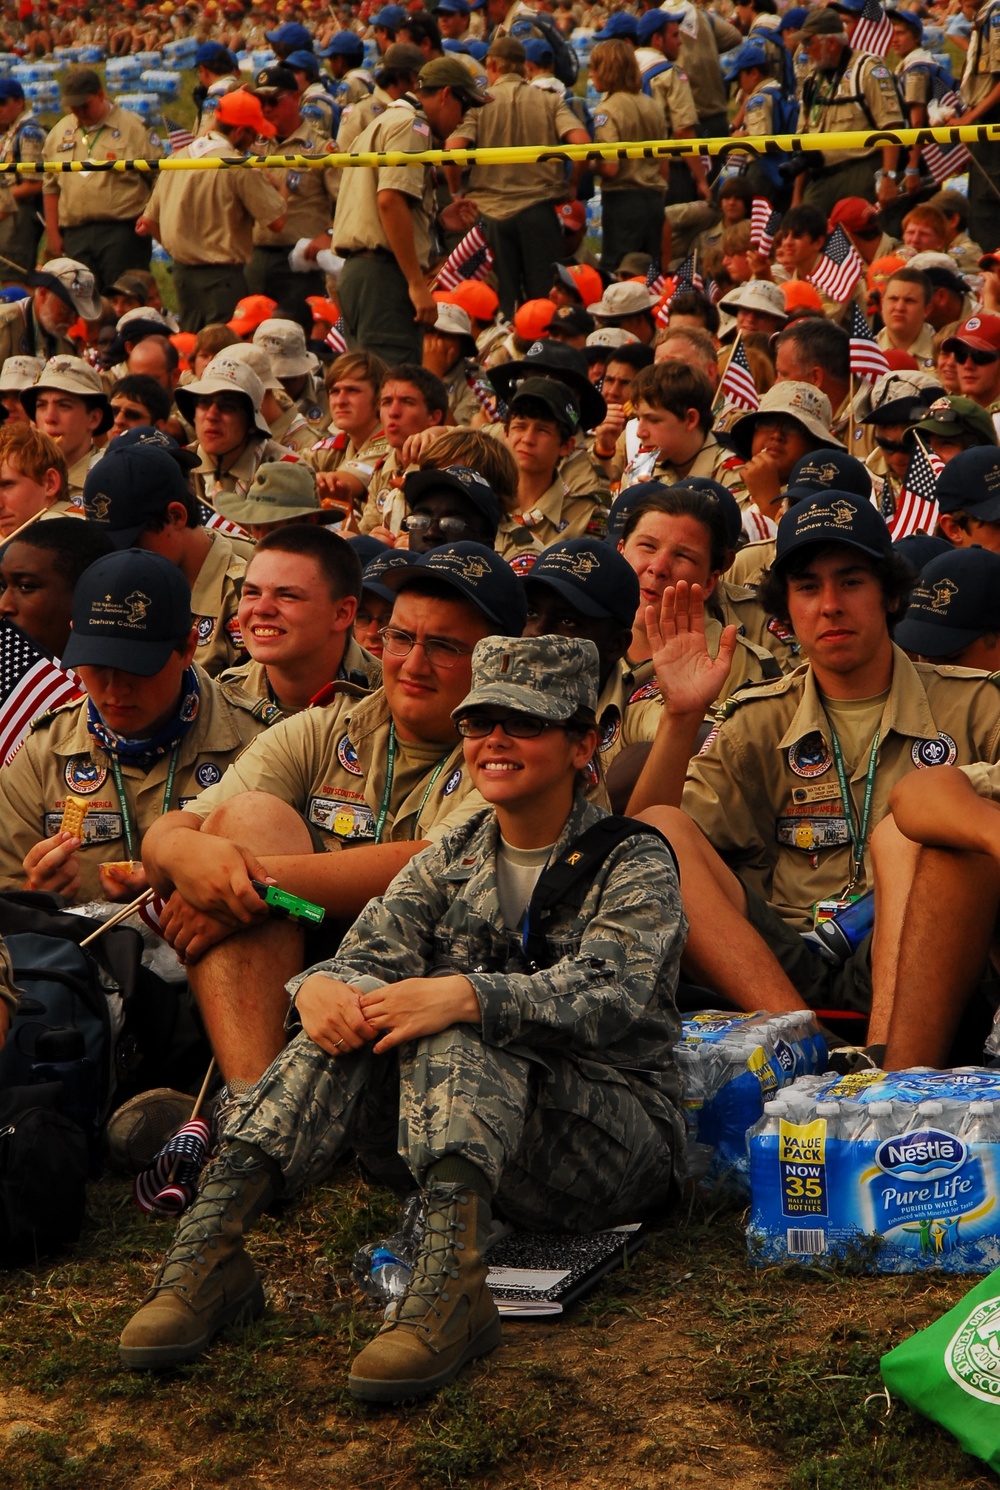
<point>177,135</point>
<point>737,386</point>
<point>764,223</point>
<point>30,683</point>
<point>336,337</point>
<point>873,33</point>
<point>943,160</point>
<point>472,259</point>
<point>867,357</point>
<point>916,508</point>
<point>840,266</point>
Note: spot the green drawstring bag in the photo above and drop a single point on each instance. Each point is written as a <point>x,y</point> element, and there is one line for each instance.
<point>951,1371</point>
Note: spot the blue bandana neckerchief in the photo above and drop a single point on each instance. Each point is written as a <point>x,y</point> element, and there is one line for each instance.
<point>145,753</point>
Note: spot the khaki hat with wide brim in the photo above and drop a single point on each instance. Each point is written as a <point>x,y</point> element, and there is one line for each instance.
<point>285,344</point>
<point>67,374</point>
<point>280,489</point>
<point>226,374</point>
<point>807,405</point>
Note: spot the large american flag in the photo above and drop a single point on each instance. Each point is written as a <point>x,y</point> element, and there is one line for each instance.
<point>916,508</point>
<point>873,33</point>
<point>840,266</point>
<point>867,358</point>
<point>764,223</point>
<point>30,683</point>
<point>946,160</point>
<point>472,259</point>
<point>737,386</point>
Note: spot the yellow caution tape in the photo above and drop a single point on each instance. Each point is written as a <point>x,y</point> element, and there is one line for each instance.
<point>862,141</point>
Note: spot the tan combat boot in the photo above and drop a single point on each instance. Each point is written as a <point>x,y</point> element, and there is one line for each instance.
<point>206,1280</point>
<point>447,1316</point>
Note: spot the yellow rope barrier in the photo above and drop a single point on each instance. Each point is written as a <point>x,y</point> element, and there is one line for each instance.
<point>860,140</point>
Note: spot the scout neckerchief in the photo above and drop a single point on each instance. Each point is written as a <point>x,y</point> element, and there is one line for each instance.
<point>390,771</point>
<point>858,832</point>
<point>145,753</point>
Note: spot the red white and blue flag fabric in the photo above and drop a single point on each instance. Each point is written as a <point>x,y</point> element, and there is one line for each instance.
<point>916,508</point>
<point>840,266</point>
<point>30,683</point>
<point>738,387</point>
<point>873,33</point>
<point>471,259</point>
<point>867,358</point>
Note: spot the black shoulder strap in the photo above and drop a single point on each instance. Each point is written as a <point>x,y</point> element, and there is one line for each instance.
<point>567,880</point>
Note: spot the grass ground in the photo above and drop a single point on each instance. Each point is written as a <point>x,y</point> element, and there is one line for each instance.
<point>688,1370</point>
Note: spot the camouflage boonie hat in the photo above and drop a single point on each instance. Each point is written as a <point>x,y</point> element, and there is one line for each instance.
<point>548,677</point>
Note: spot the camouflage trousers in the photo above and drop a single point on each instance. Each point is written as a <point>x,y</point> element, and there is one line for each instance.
<point>563,1143</point>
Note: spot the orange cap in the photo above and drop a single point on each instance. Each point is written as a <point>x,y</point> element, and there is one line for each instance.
<point>243,109</point>
<point>531,320</point>
<point>323,310</point>
<point>801,295</point>
<point>882,268</point>
<point>250,311</point>
<point>184,341</point>
<point>588,283</point>
<point>477,299</point>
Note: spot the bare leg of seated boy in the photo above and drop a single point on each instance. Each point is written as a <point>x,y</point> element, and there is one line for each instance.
<point>894,862</point>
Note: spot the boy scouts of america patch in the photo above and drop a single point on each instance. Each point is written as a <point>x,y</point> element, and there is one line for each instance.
<point>780,630</point>
<point>234,633</point>
<point>939,752</point>
<point>348,757</point>
<point>523,563</point>
<point>82,775</point>
<point>208,774</point>
<point>810,756</point>
<point>611,728</point>
<point>649,689</point>
<point>451,785</point>
<point>206,625</point>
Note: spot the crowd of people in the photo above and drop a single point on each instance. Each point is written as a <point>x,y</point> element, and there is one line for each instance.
<point>444,530</point>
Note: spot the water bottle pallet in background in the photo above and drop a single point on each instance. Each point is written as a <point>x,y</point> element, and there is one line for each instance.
<point>898,1172</point>
<point>162,81</point>
<point>730,1065</point>
<point>146,105</point>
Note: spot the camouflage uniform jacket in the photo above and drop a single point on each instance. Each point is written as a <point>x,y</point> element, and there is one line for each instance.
<point>607,1000</point>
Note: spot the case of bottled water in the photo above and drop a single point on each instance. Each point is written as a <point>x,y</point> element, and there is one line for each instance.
<point>123,72</point>
<point>43,97</point>
<point>900,1171</point>
<point>146,105</point>
<point>162,81</point>
<point>180,53</point>
<point>730,1065</point>
<point>34,72</point>
<point>91,55</point>
<point>148,59</point>
<point>8,61</point>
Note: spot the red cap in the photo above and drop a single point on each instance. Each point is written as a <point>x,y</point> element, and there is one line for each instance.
<point>855,215</point>
<point>531,320</point>
<point>572,216</point>
<point>249,313</point>
<point>900,361</point>
<point>980,332</point>
<point>475,298</point>
<point>243,108</point>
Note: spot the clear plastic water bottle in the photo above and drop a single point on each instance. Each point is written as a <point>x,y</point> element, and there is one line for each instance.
<point>383,1269</point>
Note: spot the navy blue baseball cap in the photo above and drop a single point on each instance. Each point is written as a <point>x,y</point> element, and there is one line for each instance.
<point>828,470</point>
<point>304,62</point>
<point>291,35</point>
<point>10,89</point>
<point>345,44</point>
<point>476,573</point>
<point>592,576</point>
<point>537,50</point>
<point>130,611</point>
<point>150,438</point>
<point>793,18</point>
<point>462,480</point>
<point>918,549</point>
<point>955,601</point>
<point>618,27</point>
<point>477,49</point>
<point>752,53</point>
<point>368,548</point>
<point>452,7</point>
<point>655,20</point>
<point>389,558</point>
<point>214,55</point>
<point>627,501</point>
<point>970,482</point>
<point>908,18</point>
<point>389,18</point>
<point>833,517</point>
<point>124,490</point>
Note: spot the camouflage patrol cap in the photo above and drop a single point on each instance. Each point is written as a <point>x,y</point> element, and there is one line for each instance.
<point>548,677</point>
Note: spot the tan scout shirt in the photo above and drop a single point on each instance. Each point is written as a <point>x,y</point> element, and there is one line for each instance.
<point>338,449</point>
<point>922,349</point>
<point>518,115</point>
<point>559,514</point>
<point>671,90</point>
<point>751,665</point>
<point>61,756</point>
<point>357,667</point>
<point>215,601</point>
<point>631,116</point>
<point>765,793</point>
<point>331,765</point>
<point>311,193</point>
<point>79,471</point>
<point>208,217</point>
<point>738,605</point>
<point>239,477</point>
<point>700,60</point>
<point>982,61</point>
<point>357,227</point>
<point>23,141</point>
<point>865,77</point>
<point>357,117</point>
<point>462,401</point>
<point>92,197</point>
<point>517,544</point>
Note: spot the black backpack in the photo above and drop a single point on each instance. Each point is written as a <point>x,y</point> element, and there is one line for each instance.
<point>565,63</point>
<point>43,1173</point>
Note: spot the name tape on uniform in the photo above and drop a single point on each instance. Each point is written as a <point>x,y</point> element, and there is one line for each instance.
<point>862,141</point>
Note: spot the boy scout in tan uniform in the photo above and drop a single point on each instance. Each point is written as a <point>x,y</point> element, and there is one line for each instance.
<point>72,752</point>
<point>92,215</point>
<point>23,140</point>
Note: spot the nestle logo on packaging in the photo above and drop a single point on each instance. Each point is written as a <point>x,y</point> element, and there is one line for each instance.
<point>921,1155</point>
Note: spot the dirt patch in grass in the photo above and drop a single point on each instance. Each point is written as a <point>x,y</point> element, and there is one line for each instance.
<point>690,1369</point>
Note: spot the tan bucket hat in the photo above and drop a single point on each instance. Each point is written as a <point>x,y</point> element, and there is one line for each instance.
<point>18,373</point>
<point>807,405</point>
<point>73,283</point>
<point>628,298</point>
<point>281,489</point>
<point>226,374</point>
<point>452,320</point>
<point>70,375</point>
<point>258,359</point>
<point>285,344</point>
